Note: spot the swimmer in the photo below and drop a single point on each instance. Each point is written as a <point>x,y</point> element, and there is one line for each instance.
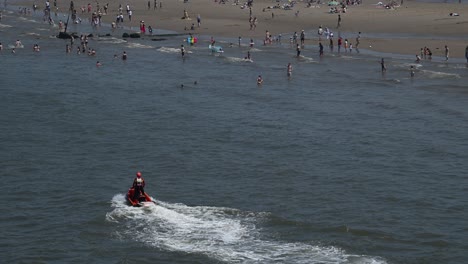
<point>259,80</point>
<point>18,44</point>
<point>98,64</point>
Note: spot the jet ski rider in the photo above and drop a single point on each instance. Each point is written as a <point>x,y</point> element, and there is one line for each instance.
<point>138,185</point>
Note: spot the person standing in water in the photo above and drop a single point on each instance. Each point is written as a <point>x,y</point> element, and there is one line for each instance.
<point>298,50</point>
<point>412,71</point>
<point>289,70</point>
<point>446,53</point>
<point>182,51</point>
<point>466,54</point>
<point>382,64</point>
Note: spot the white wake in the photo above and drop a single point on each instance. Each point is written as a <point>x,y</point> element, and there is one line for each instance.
<point>225,234</point>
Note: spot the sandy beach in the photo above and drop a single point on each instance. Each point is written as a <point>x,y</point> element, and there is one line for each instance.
<point>403,29</point>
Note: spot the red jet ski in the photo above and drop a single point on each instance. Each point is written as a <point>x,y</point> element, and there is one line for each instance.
<point>142,200</point>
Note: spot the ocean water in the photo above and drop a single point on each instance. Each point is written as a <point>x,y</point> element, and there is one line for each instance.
<point>338,164</point>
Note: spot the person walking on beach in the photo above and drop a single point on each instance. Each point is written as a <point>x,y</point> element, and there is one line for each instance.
<point>446,53</point>
<point>302,38</point>
<point>340,42</point>
<point>142,27</point>
<point>382,64</point>
<point>339,21</point>
<point>358,38</point>
<point>320,32</point>
<point>198,20</point>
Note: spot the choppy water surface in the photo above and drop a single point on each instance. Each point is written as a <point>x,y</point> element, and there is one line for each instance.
<point>339,164</point>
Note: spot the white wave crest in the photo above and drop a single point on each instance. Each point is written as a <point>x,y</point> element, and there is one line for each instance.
<point>225,234</point>
<point>112,40</point>
<point>169,50</point>
<point>306,59</point>
<point>408,65</point>
<point>437,74</point>
<point>5,26</point>
<point>138,46</point>
<point>32,34</point>
<point>235,59</point>
<point>28,20</point>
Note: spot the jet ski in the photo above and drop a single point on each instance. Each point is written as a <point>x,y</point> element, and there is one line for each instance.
<point>141,200</point>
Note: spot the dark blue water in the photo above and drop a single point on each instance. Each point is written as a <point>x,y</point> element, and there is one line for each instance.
<point>339,164</point>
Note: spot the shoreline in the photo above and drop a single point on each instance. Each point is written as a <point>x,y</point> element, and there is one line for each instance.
<point>405,29</point>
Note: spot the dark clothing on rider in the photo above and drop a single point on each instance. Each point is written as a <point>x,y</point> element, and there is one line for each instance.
<point>138,186</point>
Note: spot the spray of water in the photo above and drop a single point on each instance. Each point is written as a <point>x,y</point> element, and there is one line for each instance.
<point>225,234</point>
